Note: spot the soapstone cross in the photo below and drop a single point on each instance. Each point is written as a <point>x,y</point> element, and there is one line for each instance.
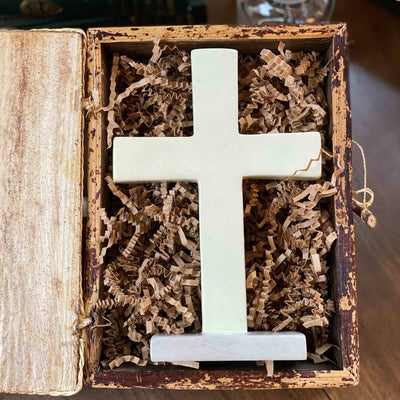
<point>218,158</point>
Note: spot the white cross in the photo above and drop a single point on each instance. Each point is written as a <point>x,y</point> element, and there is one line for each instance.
<point>218,158</point>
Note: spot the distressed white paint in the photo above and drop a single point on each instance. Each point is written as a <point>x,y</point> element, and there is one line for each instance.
<point>218,158</point>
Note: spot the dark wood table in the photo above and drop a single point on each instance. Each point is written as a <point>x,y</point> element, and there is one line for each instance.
<point>375,100</point>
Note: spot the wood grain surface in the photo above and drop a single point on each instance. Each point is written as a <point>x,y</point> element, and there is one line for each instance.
<point>375,100</point>
<point>40,210</point>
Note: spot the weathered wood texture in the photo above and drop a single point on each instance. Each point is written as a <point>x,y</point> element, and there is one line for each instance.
<point>40,211</point>
<point>137,42</point>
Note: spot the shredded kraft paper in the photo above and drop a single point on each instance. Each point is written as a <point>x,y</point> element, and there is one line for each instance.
<point>151,241</point>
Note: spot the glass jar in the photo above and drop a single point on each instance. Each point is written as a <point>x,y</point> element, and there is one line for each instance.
<point>264,12</point>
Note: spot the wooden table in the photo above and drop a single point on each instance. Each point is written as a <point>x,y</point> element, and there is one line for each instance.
<point>375,98</point>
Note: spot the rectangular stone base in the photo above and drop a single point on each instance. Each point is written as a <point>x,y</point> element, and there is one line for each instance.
<point>248,346</point>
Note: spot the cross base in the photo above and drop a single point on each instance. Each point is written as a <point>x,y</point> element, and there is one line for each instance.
<point>229,346</point>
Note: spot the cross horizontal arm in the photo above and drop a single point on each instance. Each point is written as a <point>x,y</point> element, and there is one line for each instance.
<point>153,159</point>
<point>279,155</point>
<point>270,156</point>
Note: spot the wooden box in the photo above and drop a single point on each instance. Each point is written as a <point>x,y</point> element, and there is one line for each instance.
<point>54,152</point>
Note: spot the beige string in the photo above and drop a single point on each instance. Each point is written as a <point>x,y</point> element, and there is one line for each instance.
<point>82,323</point>
<point>329,155</point>
<point>365,190</point>
<point>269,367</point>
<point>361,207</point>
<point>109,323</point>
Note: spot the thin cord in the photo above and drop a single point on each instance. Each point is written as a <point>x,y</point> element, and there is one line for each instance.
<point>365,190</point>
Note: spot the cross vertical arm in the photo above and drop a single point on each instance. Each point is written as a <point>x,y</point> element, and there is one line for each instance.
<point>215,112</point>
<point>215,98</point>
<point>223,289</point>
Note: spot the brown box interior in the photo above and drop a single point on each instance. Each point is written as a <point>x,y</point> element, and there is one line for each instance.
<point>129,376</point>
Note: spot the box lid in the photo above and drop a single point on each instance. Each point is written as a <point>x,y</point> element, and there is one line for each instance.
<point>41,81</point>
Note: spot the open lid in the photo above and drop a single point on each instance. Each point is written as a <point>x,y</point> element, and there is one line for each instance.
<point>41,81</point>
